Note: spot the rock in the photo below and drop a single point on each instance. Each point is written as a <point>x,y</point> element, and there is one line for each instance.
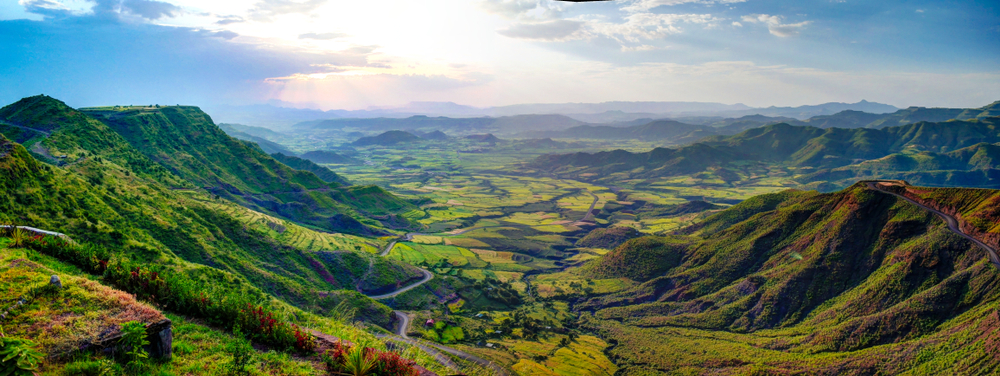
<point>54,281</point>
<point>161,339</point>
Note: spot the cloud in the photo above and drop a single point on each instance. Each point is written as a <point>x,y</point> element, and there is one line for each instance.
<point>509,8</point>
<point>224,34</point>
<point>265,10</point>
<point>737,24</point>
<point>151,9</point>
<point>148,9</point>
<point>637,6</point>
<point>548,31</point>
<point>46,8</point>
<point>640,48</point>
<point>787,30</point>
<point>323,36</point>
<point>226,20</point>
<point>647,26</point>
<point>774,25</point>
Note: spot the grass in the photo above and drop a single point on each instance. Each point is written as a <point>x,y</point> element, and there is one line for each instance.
<point>61,320</point>
<point>420,254</point>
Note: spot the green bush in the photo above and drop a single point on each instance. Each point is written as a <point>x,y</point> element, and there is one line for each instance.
<point>18,357</point>
<point>242,354</point>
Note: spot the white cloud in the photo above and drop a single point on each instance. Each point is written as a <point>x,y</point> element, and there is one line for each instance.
<point>640,48</point>
<point>548,31</point>
<point>637,6</point>
<point>323,36</point>
<point>647,26</point>
<point>509,8</point>
<point>265,10</point>
<point>737,24</point>
<point>775,25</point>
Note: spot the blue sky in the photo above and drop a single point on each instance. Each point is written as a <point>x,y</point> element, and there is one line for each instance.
<point>355,54</point>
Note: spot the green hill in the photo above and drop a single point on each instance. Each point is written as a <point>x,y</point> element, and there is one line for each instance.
<point>387,139</point>
<point>324,156</point>
<point>186,142</point>
<point>607,238</point>
<point>268,146</point>
<point>851,282</point>
<point>655,130</point>
<point>780,144</point>
<point>974,166</point>
<point>321,172</point>
<point>858,119</point>
<point>108,193</point>
<point>640,259</point>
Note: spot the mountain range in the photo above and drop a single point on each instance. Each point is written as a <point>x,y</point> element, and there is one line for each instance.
<point>277,117</point>
<point>962,150</point>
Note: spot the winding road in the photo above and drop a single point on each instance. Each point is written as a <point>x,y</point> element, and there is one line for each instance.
<point>404,319</point>
<point>951,221</point>
<point>427,277</point>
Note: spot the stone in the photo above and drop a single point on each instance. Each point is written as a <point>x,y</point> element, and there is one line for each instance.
<point>161,339</point>
<point>54,281</point>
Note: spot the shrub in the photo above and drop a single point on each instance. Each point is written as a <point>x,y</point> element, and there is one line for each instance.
<point>133,341</point>
<point>18,357</point>
<point>359,360</point>
<point>18,236</point>
<point>242,354</point>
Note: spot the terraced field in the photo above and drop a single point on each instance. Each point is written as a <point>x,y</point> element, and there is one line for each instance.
<point>294,235</point>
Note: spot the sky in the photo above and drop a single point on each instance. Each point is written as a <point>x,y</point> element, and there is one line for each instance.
<point>337,54</point>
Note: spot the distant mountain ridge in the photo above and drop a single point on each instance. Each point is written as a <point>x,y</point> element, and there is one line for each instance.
<point>799,146</point>
<point>605,112</point>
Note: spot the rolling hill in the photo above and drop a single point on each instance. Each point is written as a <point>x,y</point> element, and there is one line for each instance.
<point>858,119</point>
<point>325,156</point>
<point>787,145</point>
<point>389,138</point>
<point>104,191</point>
<point>656,130</point>
<point>500,125</point>
<point>268,146</point>
<point>186,141</point>
<point>851,282</point>
<point>304,164</point>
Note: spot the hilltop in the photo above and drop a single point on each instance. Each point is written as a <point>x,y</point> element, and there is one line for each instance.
<point>847,282</point>
<point>389,138</point>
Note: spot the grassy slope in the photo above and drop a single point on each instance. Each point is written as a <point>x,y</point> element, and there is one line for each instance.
<point>85,311</point>
<point>852,282</point>
<point>306,165</point>
<point>186,141</point>
<point>102,200</point>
